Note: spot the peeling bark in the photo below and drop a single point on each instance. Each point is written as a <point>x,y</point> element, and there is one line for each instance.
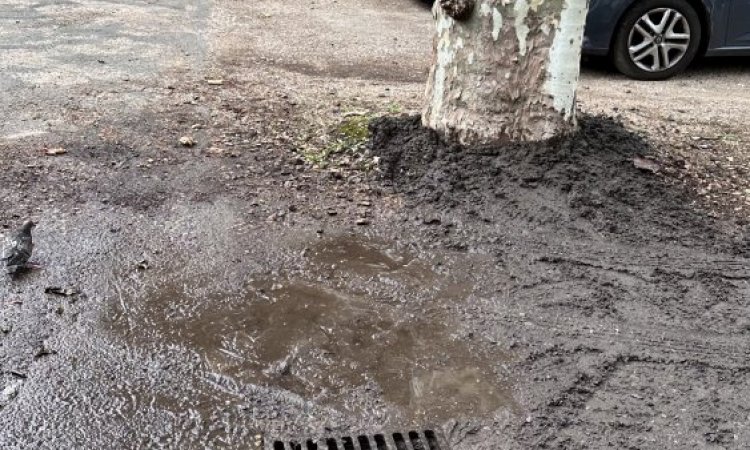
<point>507,72</point>
<point>458,9</point>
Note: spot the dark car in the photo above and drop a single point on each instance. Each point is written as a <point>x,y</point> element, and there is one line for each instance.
<point>655,39</point>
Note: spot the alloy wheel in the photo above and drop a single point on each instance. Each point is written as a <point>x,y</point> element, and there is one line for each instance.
<point>659,39</point>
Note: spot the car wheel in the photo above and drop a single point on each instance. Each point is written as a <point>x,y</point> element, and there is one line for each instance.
<point>657,39</point>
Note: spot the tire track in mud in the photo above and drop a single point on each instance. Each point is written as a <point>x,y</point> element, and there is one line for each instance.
<point>634,340</point>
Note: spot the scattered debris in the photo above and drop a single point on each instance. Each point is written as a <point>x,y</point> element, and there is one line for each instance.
<point>187,141</point>
<point>18,248</point>
<point>43,350</point>
<point>142,265</point>
<point>55,151</point>
<point>283,366</point>
<point>65,292</point>
<point>355,113</point>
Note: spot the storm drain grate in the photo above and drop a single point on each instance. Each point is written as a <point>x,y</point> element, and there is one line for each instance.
<point>411,440</point>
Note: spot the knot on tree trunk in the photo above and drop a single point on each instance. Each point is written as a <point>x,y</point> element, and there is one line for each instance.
<point>458,9</point>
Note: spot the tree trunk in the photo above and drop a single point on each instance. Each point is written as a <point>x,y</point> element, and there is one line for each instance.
<point>507,70</point>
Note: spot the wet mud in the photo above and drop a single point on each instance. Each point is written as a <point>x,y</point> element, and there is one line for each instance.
<point>325,344</point>
<point>604,273</point>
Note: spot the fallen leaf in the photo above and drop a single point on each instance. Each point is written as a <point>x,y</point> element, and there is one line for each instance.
<point>646,164</point>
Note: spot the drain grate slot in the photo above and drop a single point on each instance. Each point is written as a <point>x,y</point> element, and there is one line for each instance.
<point>398,438</point>
<point>364,443</point>
<point>427,439</point>
<point>380,442</point>
<point>432,440</point>
<point>416,441</point>
<point>348,443</point>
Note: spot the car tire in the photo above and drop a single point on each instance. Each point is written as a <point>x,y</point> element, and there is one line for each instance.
<point>648,47</point>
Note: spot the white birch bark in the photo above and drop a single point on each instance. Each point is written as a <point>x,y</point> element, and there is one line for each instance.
<point>508,71</point>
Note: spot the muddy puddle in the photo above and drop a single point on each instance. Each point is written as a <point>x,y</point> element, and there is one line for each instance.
<point>352,255</point>
<point>326,344</point>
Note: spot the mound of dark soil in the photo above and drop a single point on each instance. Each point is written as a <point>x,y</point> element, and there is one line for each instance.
<point>603,273</point>
<point>587,181</point>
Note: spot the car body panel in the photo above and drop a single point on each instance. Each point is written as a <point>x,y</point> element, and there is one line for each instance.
<point>601,24</point>
<point>728,25</point>
<point>738,26</point>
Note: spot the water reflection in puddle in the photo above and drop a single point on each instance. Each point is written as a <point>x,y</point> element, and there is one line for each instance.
<point>322,343</point>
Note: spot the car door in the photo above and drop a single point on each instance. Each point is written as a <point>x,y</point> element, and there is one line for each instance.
<point>738,26</point>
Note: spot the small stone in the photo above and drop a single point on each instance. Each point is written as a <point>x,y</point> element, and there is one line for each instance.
<point>187,141</point>
<point>362,221</point>
<point>8,394</point>
<point>56,151</point>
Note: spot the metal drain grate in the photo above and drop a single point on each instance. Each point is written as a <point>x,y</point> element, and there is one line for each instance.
<point>411,440</point>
